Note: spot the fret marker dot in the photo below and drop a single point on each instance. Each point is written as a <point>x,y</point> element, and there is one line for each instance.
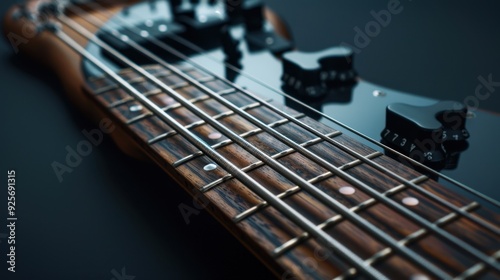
<point>347,190</point>
<point>410,201</point>
<point>167,100</point>
<point>144,33</point>
<point>214,135</point>
<point>149,23</point>
<point>124,38</point>
<point>210,167</point>
<point>419,277</point>
<point>162,27</point>
<point>135,108</point>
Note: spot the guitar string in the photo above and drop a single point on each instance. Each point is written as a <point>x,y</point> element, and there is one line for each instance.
<point>326,199</point>
<point>283,170</point>
<point>256,187</point>
<point>200,50</point>
<point>372,163</point>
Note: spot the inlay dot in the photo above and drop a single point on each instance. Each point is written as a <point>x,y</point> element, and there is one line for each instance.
<point>347,190</point>
<point>410,201</point>
<point>135,108</point>
<point>214,135</point>
<point>210,167</point>
<point>419,277</point>
<point>124,38</point>
<point>166,100</point>
<point>162,27</point>
<point>144,33</point>
<point>149,23</point>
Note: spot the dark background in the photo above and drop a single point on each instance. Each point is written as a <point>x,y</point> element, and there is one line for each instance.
<point>114,212</point>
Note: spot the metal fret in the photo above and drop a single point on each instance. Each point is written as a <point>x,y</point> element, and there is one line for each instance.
<point>412,238</point>
<point>170,108</point>
<point>257,164</point>
<point>250,211</point>
<point>105,89</point>
<point>226,91</point>
<point>228,141</point>
<point>285,247</point>
<point>138,118</point>
<point>206,79</point>
<point>148,93</point>
<point>121,102</point>
<point>476,269</point>
<point>152,92</point>
<point>134,80</point>
<point>150,69</point>
<point>197,123</point>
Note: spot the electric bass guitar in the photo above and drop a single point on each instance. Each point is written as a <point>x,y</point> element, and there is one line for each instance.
<point>320,174</point>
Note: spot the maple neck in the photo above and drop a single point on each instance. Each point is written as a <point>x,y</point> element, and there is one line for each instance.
<point>428,223</point>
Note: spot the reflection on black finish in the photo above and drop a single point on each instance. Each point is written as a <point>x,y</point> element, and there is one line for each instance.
<point>198,24</point>
<point>230,73</point>
<point>339,95</point>
<point>449,160</point>
<point>232,54</point>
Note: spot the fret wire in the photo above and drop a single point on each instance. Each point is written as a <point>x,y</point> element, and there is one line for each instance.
<point>226,91</point>
<point>227,142</point>
<point>322,177</point>
<point>290,244</point>
<point>287,173</point>
<point>384,253</point>
<point>138,118</point>
<point>147,68</point>
<point>148,94</point>
<point>260,190</point>
<point>121,102</point>
<point>197,123</point>
<point>206,79</point>
<point>174,106</point>
<point>134,80</point>
<point>107,88</point>
<point>152,92</point>
<point>200,50</point>
<point>257,164</point>
<point>476,269</point>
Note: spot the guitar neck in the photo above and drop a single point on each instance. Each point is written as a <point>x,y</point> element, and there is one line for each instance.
<point>400,204</point>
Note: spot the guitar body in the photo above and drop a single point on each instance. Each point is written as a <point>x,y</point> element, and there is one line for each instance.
<point>360,106</point>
